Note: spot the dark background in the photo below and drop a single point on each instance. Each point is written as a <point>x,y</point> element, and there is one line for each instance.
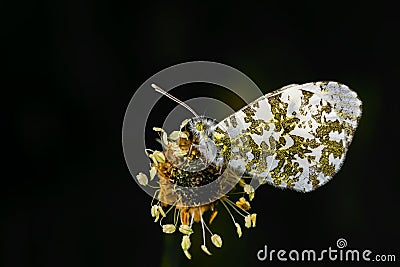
<point>71,69</point>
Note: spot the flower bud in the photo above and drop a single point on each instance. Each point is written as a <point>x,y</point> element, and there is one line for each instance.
<point>216,240</point>
<point>154,210</point>
<point>185,244</point>
<point>142,179</point>
<point>204,248</point>
<point>168,228</point>
<point>253,219</point>
<point>243,203</point>
<point>159,156</point>
<point>238,230</point>
<point>185,229</point>
<point>247,221</point>
<point>161,211</point>
<point>153,172</point>
<point>187,254</point>
<point>248,189</point>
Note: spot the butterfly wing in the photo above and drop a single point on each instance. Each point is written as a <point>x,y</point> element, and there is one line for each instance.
<point>295,137</point>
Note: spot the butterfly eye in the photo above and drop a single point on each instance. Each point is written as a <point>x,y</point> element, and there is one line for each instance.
<point>199,126</point>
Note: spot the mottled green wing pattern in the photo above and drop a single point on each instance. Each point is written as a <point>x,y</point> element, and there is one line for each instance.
<point>296,137</point>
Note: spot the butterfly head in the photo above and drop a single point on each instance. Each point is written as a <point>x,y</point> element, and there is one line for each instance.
<point>202,126</point>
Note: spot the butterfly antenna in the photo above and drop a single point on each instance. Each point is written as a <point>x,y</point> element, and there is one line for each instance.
<point>161,91</point>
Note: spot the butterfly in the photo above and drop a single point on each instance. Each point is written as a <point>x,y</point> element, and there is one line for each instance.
<point>296,137</point>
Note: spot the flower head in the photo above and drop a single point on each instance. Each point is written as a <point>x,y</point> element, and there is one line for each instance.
<point>181,148</point>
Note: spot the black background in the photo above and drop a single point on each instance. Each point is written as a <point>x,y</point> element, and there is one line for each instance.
<point>71,69</point>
